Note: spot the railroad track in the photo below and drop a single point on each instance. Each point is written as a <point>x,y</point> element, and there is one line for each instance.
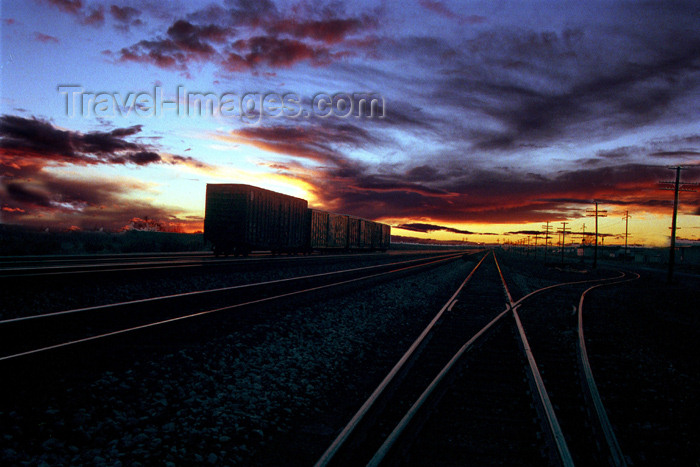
<point>35,337</point>
<point>38,268</point>
<point>45,260</point>
<point>470,389</point>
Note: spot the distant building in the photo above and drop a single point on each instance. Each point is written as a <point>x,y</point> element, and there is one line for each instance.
<point>689,254</point>
<point>650,256</point>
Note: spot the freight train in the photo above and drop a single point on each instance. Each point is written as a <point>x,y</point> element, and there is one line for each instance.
<point>241,218</point>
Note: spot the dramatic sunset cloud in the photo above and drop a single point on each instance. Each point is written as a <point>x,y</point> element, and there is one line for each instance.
<point>490,117</point>
<point>34,195</point>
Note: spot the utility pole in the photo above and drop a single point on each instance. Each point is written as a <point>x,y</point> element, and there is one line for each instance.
<point>596,214</point>
<point>627,220</point>
<point>563,232</point>
<point>677,187</point>
<point>583,234</point>
<point>536,235</point>
<point>528,246</point>
<point>546,228</point>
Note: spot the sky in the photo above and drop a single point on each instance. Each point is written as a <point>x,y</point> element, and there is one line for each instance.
<point>473,120</point>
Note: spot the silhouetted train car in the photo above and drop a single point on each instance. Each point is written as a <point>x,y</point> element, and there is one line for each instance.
<point>385,241</point>
<point>355,230</point>
<point>337,231</point>
<point>242,218</point>
<point>327,231</point>
<point>318,229</point>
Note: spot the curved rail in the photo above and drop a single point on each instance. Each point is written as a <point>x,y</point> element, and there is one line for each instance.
<point>340,440</point>
<point>616,456</point>
<point>393,438</point>
<point>545,407</point>
<point>553,429</point>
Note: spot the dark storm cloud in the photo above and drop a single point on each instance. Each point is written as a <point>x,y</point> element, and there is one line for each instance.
<point>676,154</point>
<point>34,196</point>
<point>425,228</point>
<point>541,87</point>
<point>61,203</point>
<point>617,153</point>
<point>23,140</point>
<point>124,14</point>
<point>26,195</point>
<point>73,7</point>
<point>91,16</point>
<point>231,38</point>
<point>273,52</point>
<point>320,143</point>
<point>125,17</point>
<point>38,138</point>
<point>143,158</point>
<point>184,42</point>
<point>501,196</point>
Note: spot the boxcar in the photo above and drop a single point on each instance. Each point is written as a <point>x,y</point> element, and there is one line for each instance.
<point>385,237</point>
<point>318,229</point>
<point>328,231</point>
<point>242,218</point>
<point>354,233</point>
<point>337,232</point>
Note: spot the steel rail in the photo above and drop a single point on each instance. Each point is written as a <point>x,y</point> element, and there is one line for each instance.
<point>213,291</point>
<point>155,263</point>
<point>391,441</point>
<point>545,407</point>
<point>393,438</point>
<point>8,262</point>
<point>616,456</point>
<point>345,434</point>
<point>226,308</point>
<point>553,428</point>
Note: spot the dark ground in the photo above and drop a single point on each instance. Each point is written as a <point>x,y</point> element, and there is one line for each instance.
<point>275,391</point>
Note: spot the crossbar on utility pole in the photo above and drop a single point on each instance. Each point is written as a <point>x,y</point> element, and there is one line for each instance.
<point>563,230</point>
<point>678,186</point>
<point>547,229</point>
<point>626,217</point>
<point>596,214</point>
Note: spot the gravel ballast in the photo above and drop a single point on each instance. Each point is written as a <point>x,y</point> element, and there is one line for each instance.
<point>273,394</point>
<point>32,296</point>
<point>276,390</point>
